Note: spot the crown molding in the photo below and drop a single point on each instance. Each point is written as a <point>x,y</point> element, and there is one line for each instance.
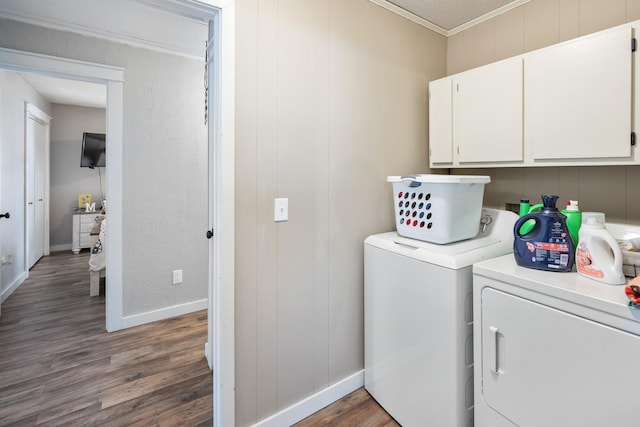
<point>410,16</point>
<point>178,27</point>
<point>447,33</point>
<point>487,16</point>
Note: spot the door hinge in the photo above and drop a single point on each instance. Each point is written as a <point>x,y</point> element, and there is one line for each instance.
<point>633,138</point>
<point>209,233</point>
<point>633,44</point>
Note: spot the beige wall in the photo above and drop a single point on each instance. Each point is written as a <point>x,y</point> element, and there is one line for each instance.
<point>534,25</point>
<point>331,99</point>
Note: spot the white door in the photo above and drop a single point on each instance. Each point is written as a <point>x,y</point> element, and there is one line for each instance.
<point>37,136</point>
<point>578,98</point>
<point>488,113</point>
<point>440,121</point>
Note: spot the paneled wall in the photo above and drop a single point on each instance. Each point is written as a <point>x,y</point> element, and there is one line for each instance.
<point>331,99</point>
<point>534,25</point>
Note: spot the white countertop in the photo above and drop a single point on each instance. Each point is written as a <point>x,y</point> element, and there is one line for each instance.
<point>565,286</point>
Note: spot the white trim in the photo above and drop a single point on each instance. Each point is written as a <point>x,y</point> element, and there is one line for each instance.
<point>438,29</point>
<point>313,404</point>
<point>113,77</point>
<point>114,311</point>
<point>168,26</point>
<point>163,313</point>
<point>222,286</point>
<point>410,16</point>
<point>487,16</point>
<point>47,65</point>
<point>13,286</point>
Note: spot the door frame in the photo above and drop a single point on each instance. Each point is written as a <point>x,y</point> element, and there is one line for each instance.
<point>113,79</point>
<point>32,112</point>
<point>220,350</point>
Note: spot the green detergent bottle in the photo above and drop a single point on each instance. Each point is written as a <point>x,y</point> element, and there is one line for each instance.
<point>526,209</point>
<point>574,220</point>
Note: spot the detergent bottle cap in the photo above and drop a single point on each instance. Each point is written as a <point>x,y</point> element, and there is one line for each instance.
<point>549,201</point>
<point>572,205</point>
<point>593,219</point>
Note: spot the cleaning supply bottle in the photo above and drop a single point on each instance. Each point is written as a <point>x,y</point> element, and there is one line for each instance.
<point>574,219</point>
<point>525,209</point>
<point>598,255</point>
<point>547,246</point>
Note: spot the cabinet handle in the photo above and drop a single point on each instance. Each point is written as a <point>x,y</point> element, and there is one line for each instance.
<point>493,350</point>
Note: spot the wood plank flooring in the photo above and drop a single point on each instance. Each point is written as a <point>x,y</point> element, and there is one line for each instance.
<point>357,409</point>
<point>58,366</point>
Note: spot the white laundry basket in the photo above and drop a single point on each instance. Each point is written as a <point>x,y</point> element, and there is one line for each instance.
<point>438,208</point>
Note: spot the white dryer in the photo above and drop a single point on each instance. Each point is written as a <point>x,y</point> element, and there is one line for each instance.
<point>553,349</point>
<point>418,322</point>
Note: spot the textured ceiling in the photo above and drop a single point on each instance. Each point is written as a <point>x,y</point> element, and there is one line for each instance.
<point>450,14</point>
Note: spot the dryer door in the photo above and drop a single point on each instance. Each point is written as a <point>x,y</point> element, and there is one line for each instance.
<point>545,367</point>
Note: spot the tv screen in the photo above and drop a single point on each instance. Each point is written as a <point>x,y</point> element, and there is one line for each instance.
<point>93,154</point>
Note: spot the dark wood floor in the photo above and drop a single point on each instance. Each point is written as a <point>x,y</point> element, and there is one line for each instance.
<point>357,409</point>
<point>58,366</point>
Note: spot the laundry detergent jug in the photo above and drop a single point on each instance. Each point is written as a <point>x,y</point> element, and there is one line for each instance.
<point>598,255</point>
<point>547,245</point>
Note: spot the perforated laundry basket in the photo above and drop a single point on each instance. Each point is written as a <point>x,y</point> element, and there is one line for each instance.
<point>438,208</point>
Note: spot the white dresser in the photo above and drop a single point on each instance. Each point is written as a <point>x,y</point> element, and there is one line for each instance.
<point>83,223</point>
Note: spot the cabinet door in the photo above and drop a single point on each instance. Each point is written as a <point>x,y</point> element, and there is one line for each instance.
<point>440,122</point>
<point>578,98</point>
<point>545,367</point>
<point>488,113</point>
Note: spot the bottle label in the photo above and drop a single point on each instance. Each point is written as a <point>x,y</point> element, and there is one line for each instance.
<point>585,264</point>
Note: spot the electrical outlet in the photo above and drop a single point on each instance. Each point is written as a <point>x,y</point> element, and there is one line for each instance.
<point>7,260</point>
<point>177,277</point>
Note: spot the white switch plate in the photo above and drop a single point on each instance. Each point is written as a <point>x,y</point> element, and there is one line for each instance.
<point>177,277</point>
<point>281,210</point>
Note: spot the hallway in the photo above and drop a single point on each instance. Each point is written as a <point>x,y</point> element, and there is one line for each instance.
<point>58,366</point>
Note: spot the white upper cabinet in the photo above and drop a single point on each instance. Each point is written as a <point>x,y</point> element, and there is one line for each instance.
<point>488,113</point>
<point>441,122</point>
<point>476,116</point>
<point>574,103</point>
<point>578,98</point>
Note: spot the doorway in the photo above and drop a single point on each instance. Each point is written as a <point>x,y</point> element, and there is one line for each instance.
<point>221,291</point>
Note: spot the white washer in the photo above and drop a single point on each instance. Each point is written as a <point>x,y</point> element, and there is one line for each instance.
<point>418,322</point>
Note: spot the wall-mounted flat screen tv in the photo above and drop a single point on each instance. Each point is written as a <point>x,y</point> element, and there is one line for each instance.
<point>93,150</point>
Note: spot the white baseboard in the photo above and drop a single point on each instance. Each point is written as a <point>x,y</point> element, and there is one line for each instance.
<point>13,286</point>
<point>164,313</point>
<point>313,404</point>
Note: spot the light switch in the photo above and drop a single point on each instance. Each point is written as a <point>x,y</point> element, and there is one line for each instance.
<point>281,210</point>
